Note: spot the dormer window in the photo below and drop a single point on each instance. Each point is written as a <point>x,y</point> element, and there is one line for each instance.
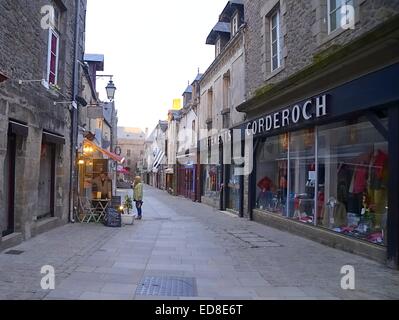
<point>218,46</point>
<point>234,25</point>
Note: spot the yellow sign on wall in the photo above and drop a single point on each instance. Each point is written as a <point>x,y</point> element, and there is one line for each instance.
<point>176,104</point>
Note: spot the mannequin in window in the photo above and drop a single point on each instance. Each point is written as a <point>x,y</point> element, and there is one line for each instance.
<point>265,196</point>
<point>359,184</point>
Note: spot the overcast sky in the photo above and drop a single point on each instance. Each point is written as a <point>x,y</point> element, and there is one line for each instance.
<point>153,48</point>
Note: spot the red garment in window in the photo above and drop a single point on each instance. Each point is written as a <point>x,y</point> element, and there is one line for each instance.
<point>380,162</point>
<point>283,182</point>
<point>265,183</point>
<point>360,181</point>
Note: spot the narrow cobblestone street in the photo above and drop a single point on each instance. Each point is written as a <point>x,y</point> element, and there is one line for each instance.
<point>228,257</point>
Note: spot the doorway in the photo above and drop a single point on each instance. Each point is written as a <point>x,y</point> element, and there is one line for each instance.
<point>46,181</point>
<point>8,223</point>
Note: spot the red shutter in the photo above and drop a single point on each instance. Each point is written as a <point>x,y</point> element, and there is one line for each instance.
<point>53,58</point>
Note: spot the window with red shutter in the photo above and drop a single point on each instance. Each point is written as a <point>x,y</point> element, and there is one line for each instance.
<point>53,55</point>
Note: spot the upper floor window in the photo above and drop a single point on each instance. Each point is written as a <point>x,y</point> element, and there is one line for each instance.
<point>226,90</point>
<point>53,56</point>
<point>226,120</point>
<point>275,33</point>
<point>218,47</point>
<point>54,44</point>
<point>336,17</point>
<point>193,131</point>
<point>234,25</point>
<point>56,21</point>
<point>210,104</point>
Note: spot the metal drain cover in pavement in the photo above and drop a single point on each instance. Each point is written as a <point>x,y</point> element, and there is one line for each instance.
<point>167,287</point>
<point>14,252</point>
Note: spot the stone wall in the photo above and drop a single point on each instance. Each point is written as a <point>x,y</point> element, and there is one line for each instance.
<point>304,32</point>
<point>23,56</point>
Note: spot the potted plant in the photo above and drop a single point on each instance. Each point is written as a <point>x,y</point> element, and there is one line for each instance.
<point>128,218</point>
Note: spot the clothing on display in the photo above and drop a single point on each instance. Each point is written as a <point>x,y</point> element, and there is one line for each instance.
<point>359,180</point>
<point>334,214</point>
<point>265,184</point>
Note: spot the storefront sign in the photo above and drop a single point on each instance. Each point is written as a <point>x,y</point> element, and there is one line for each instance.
<point>307,111</point>
<point>222,137</point>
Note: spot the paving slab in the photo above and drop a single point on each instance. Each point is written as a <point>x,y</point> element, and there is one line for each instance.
<point>179,238</point>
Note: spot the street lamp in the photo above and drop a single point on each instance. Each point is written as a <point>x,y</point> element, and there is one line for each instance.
<point>110,90</point>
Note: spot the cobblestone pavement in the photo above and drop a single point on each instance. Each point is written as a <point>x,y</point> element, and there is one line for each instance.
<point>230,258</point>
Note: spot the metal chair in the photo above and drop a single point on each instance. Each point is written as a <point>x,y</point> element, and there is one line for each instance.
<point>89,213</point>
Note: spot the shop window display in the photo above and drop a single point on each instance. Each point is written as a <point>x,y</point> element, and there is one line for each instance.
<point>271,175</point>
<point>212,179</point>
<point>302,177</point>
<point>355,177</point>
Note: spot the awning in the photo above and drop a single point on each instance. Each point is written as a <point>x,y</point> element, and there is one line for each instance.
<point>158,159</point>
<point>123,170</point>
<point>49,137</point>
<point>18,129</point>
<point>109,154</point>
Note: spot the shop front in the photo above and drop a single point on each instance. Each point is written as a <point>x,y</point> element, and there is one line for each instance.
<point>233,177</point>
<point>97,167</point>
<point>186,174</point>
<point>327,166</point>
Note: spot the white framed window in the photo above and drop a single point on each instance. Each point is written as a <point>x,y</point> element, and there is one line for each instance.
<point>53,56</point>
<point>218,46</point>
<point>193,135</point>
<point>226,90</point>
<point>335,16</point>
<point>234,25</point>
<point>210,104</point>
<point>275,43</point>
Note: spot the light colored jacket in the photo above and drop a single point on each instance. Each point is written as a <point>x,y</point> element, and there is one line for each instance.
<point>138,192</point>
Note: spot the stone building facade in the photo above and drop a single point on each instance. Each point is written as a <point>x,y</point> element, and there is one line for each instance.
<point>320,105</point>
<point>155,156</point>
<point>132,142</point>
<point>304,35</point>
<point>35,144</point>
<point>187,155</point>
<point>222,89</point>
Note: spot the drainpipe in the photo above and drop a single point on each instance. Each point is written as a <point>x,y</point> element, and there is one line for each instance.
<point>74,116</point>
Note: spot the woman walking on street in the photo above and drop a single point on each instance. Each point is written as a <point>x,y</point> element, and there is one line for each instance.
<point>138,196</point>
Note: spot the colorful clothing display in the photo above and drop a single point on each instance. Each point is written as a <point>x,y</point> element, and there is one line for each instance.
<point>265,184</point>
<point>360,179</point>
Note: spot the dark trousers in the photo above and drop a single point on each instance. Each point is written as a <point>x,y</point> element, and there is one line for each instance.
<point>139,204</point>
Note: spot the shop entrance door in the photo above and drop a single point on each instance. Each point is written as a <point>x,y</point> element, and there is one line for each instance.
<point>233,189</point>
<point>46,181</point>
<point>8,220</point>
